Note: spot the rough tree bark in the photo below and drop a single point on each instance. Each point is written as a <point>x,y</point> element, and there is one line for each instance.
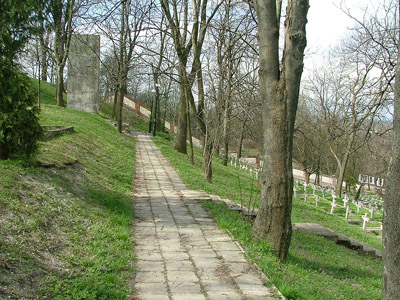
<point>60,85</point>
<point>180,138</point>
<point>122,78</point>
<point>279,92</point>
<point>391,218</point>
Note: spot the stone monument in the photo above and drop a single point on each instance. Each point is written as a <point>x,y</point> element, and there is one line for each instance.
<point>83,73</point>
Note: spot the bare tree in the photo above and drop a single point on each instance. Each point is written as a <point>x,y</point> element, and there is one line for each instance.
<point>308,142</point>
<point>279,92</point>
<point>60,14</point>
<point>232,30</point>
<point>183,46</point>
<point>122,25</point>
<point>350,94</point>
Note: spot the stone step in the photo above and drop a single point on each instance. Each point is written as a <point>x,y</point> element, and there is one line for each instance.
<point>338,238</point>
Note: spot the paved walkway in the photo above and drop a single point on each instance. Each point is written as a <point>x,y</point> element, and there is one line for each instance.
<point>181,253</point>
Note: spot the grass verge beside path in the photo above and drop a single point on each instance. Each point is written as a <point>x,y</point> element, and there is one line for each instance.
<point>226,185</point>
<point>316,268</point>
<point>228,182</point>
<point>65,232</point>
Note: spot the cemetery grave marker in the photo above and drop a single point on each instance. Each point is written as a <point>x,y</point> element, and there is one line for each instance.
<point>347,213</point>
<point>365,221</point>
<point>317,200</point>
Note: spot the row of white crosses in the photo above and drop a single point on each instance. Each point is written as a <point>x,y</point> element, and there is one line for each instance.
<point>346,200</point>
<point>314,187</point>
<point>244,166</point>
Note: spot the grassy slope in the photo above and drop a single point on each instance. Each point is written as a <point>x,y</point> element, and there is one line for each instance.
<point>65,232</point>
<point>135,124</point>
<point>47,91</point>
<point>316,268</point>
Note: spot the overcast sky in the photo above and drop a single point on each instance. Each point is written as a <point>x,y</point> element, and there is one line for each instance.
<point>327,25</point>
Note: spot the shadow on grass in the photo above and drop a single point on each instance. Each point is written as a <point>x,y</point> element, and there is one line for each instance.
<point>113,201</point>
<point>331,269</point>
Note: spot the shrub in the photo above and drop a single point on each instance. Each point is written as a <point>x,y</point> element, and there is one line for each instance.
<point>19,125</point>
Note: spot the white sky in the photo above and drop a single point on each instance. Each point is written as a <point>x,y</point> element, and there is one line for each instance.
<point>327,25</point>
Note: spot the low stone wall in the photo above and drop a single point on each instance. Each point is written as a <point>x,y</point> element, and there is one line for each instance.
<point>324,179</point>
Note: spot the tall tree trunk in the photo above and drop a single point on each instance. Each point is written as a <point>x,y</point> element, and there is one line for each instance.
<point>114,108</point>
<point>63,33</point>
<point>391,216</point>
<point>206,136</point>
<point>340,177</point>
<point>226,120</point>
<point>239,155</point>
<point>44,40</point>
<point>120,109</point>
<point>279,92</point>
<point>342,165</point>
<point>190,135</point>
<point>60,86</point>
<point>180,138</point>
<point>160,124</point>
<point>273,220</point>
<point>39,86</point>
<point>226,150</point>
<point>157,109</point>
<point>123,67</point>
<point>307,177</point>
<point>207,158</point>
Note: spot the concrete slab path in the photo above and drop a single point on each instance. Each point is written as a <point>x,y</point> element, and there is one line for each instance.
<point>181,253</point>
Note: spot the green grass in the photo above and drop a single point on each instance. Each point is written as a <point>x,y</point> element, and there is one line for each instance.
<point>135,123</point>
<point>316,268</point>
<point>309,213</point>
<point>65,232</point>
<point>226,185</point>
<point>47,91</point>
<point>228,182</point>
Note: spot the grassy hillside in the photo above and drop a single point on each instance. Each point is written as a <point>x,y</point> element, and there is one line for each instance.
<point>65,231</point>
<point>316,268</point>
<point>135,124</point>
<point>47,91</point>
